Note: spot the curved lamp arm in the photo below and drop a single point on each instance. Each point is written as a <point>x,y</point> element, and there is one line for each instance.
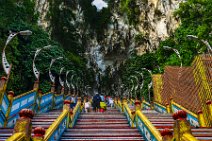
<point>52,78</point>
<point>67,79</point>
<point>35,70</point>
<point>5,63</point>
<point>60,80</point>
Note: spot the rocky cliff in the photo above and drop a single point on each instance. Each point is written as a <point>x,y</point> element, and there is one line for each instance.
<point>155,23</point>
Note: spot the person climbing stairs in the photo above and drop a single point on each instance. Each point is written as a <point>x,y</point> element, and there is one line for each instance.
<point>109,125</point>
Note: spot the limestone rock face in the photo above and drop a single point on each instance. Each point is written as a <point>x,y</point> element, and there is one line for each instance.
<point>42,7</point>
<point>157,21</point>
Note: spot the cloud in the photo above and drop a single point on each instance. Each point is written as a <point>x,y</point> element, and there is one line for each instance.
<point>99,4</point>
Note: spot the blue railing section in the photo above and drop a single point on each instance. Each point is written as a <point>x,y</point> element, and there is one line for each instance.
<point>144,130</point>
<point>58,101</point>
<point>26,101</point>
<point>46,102</point>
<point>130,122</point>
<point>160,108</point>
<point>73,122</point>
<point>59,130</point>
<point>191,118</point>
<point>5,104</point>
<point>146,106</point>
<point>3,110</point>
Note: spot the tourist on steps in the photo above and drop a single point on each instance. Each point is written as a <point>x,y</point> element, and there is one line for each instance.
<point>96,102</point>
<point>87,106</point>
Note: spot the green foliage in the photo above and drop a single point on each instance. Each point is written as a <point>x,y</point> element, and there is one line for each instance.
<point>20,15</point>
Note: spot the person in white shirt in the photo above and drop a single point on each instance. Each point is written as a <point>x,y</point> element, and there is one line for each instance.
<point>87,106</point>
<point>111,102</point>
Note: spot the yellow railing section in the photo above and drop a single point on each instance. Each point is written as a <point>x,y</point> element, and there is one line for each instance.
<point>202,80</point>
<point>130,113</point>
<point>55,124</point>
<point>188,137</point>
<point>17,137</point>
<point>184,109</point>
<point>21,95</point>
<point>157,87</point>
<point>149,125</point>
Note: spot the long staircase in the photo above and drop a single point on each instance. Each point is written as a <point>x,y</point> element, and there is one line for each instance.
<point>42,119</point>
<point>109,125</point>
<point>162,121</point>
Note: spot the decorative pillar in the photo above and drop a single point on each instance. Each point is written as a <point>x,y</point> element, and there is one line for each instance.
<point>124,101</point>
<point>137,105</point>
<point>168,108</point>
<point>3,83</point>
<point>53,88</point>
<point>66,104</point>
<point>24,124</point>
<point>209,105</point>
<point>166,134</point>
<point>142,101</point>
<point>39,133</point>
<point>201,118</point>
<point>36,85</point>
<point>39,97</point>
<point>2,87</point>
<point>182,127</point>
<point>10,96</point>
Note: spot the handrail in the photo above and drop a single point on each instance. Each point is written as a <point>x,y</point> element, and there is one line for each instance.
<point>149,125</point>
<point>128,111</point>
<point>160,105</point>
<point>76,108</point>
<point>26,93</point>
<point>55,124</point>
<point>146,103</point>
<point>186,110</point>
<point>188,137</point>
<point>17,137</point>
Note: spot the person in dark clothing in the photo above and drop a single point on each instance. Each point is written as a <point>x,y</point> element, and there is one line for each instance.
<point>96,102</point>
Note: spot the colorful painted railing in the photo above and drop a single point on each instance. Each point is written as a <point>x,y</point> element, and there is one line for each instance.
<point>55,131</point>
<point>160,108</point>
<point>66,119</point>
<point>25,100</point>
<point>139,120</point>
<point>191,117</point>
<point>129,114</point>
<point>45,103</point>
<point>75,114</point>
<point>3,110</point>
<point>148,131</point>
<point>58,101</point>
<point>145,105</point>
<point>9,108</point>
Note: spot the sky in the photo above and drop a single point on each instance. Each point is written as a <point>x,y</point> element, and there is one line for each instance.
<point>100,4</point>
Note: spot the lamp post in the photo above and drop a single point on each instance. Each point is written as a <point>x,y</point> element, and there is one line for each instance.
<point>52,78</point>
<point>209,48</point>
<point>7,67</point>
<point>176,51</point>
<point>150,84</point>
<point>35,70</point>
<point>142,76</point>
